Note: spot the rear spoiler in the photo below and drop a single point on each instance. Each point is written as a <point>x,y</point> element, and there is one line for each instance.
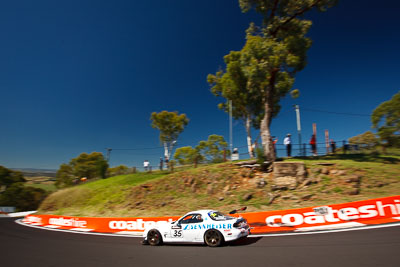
<point>235,211</point>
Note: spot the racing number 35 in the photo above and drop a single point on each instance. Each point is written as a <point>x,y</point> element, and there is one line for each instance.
<point>177,233</point>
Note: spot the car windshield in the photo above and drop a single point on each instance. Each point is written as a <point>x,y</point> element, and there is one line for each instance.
<point>218,216</point>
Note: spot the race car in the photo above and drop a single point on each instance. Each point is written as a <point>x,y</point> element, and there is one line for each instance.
<point>202,226</point>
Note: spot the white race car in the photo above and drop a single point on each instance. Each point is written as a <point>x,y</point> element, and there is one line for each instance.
<point>203,226</point>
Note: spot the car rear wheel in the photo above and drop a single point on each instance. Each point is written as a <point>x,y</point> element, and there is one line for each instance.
<point>213,238</point>
<point>154,237</point>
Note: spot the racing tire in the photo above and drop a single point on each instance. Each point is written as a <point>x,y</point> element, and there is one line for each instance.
<point>213,238</point>
<point>154,238</point>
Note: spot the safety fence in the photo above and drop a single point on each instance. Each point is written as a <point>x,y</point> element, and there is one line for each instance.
<point>321,149</point>
<point>297,150</point>
<point>346,215</point>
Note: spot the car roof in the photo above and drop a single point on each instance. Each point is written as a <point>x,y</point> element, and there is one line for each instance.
<point>200,211</point>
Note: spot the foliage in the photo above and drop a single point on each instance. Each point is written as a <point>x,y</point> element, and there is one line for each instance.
<point>65,176</point>
<point>232,85</point>
<point>16,194</point>
<point>265,68</point>
<point>170,125</point>
<point>368,139</point>
<point>118,170</point>
<point>260,155</point>
<point>214,149</point>
<point>295,93</point>
<point>22,197</point>
<point>91,166</point>
<point>188,155</point>
<point>389,113</point>
<point>9,177</point>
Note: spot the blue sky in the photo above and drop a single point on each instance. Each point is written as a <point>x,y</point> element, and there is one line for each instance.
<point>80,76</point>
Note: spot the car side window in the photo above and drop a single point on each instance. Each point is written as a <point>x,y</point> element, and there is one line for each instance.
<point>191,218</point>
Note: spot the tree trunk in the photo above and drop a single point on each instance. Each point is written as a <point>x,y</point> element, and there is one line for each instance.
<point>249,139</point>
<point>268,145</point>
<point>166,154</point>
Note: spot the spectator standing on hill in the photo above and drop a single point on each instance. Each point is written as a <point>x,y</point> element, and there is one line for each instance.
<point>313,143</point>
<point>288,143</point>
<point>274,140</point>
<point>146,165</point>
<point>161,164</point>
<point>333,146</point>
<point>166,163</point>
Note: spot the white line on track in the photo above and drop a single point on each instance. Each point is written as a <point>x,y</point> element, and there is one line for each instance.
<point>262,235</point>
<point>69,231</point>
<point>335,231</point>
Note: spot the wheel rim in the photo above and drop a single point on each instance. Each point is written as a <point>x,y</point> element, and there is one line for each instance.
<point>213,238</point>
<point>153,237</point>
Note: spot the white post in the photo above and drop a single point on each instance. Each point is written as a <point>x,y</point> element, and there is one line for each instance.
<point>230,128</point>
<point>299,127</point>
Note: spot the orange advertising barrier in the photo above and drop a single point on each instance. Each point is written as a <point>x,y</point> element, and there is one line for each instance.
<point>103,225</point>
<point>375,211</point>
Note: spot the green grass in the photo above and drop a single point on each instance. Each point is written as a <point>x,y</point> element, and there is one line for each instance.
<point>43,182</point>
<point>190,189</point>
<point>337,189</point>
<point>47,187</point>
<point>94,197</point>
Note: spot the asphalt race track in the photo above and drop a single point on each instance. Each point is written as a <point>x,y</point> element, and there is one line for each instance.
<point>26,246</point>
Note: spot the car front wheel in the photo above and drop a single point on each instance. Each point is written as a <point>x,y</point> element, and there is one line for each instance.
<point>154,237</point>
<point>213,238</point>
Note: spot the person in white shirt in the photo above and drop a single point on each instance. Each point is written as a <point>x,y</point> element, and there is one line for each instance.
<point>288,143</point>
<point>146,165</point>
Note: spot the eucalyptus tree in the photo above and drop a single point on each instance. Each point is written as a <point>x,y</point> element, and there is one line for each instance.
<point>231,84</point>
<point>188,155</point>
<point>214,149</point>
<point>274,52</point>
<point>386,119</point>
<point>170,124</point>
<point>367,139</point>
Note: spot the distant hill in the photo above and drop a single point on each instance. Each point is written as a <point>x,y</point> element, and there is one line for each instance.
<point>31,172</point>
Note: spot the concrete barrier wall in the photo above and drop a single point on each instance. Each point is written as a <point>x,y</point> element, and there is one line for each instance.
<point>366,212</point>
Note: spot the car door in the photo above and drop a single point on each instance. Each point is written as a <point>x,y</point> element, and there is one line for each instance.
<point>187,228</point>
<point>176,233</point>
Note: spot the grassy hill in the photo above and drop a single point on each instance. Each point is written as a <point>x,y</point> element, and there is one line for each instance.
<point>331,179</point>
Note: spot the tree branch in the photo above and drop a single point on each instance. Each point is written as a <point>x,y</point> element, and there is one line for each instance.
<point>298,13</point>
<point>273,10</point>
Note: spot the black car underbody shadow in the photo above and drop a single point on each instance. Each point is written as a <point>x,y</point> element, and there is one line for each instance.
<point>240,242</point>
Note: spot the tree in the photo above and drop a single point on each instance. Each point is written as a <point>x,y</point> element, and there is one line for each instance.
<point>91,165</point>
<point>188,155</point>
<point>368,139</point>
<point>386,119</point>
<point>214,148</point>
<point>170,125</point>
<point>9,177</point>
<point>16,194</point>
<point>118,170</point>
<point>274,53</point>
<point>65,176</point>
<point>22,197</point>
<point>232,85</point>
